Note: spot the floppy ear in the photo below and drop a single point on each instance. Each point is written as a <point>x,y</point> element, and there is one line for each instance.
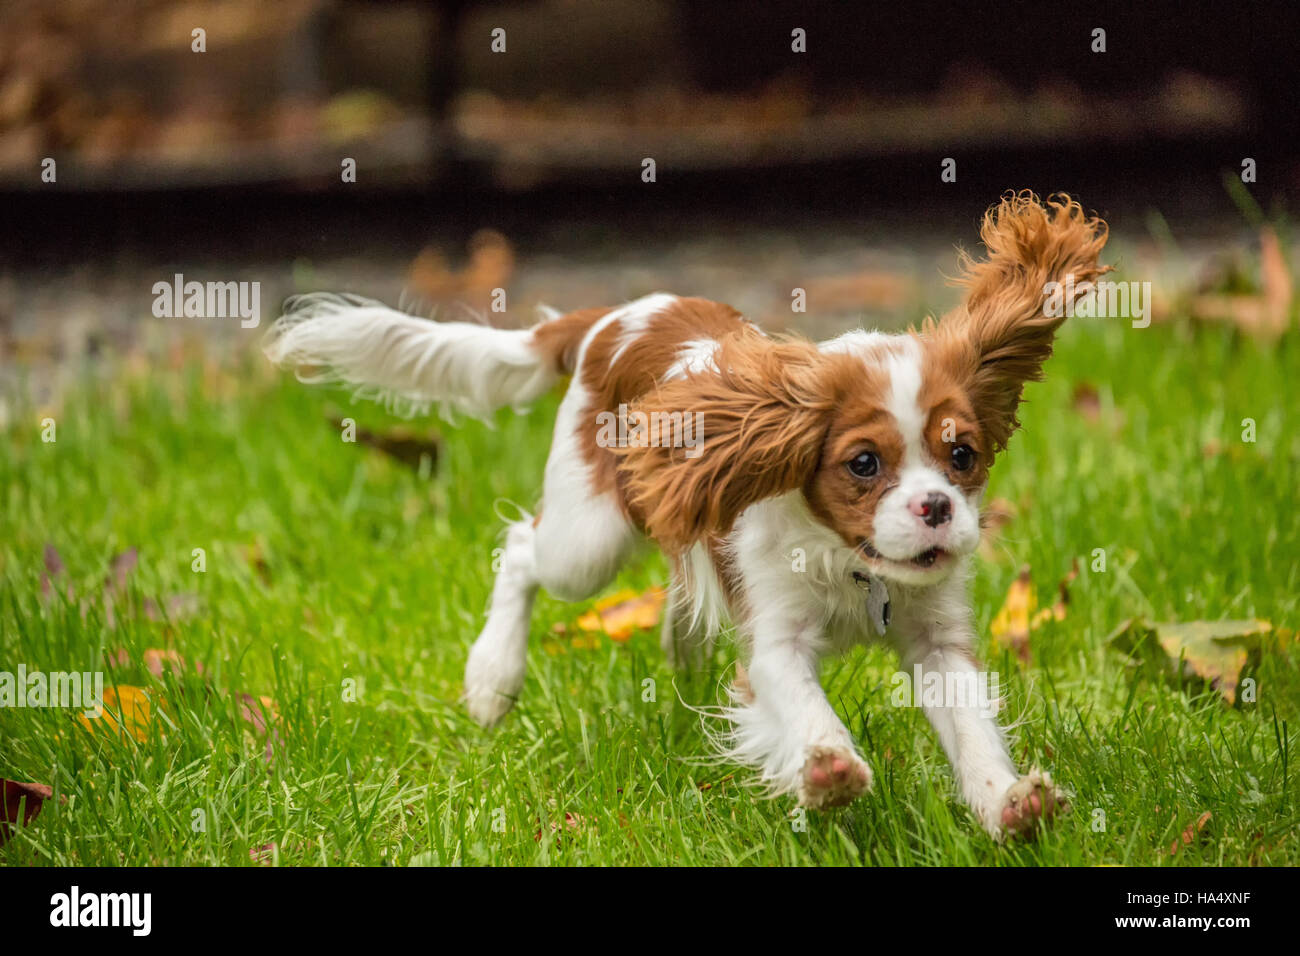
<point>1001,336</point>
<point>764,414</point>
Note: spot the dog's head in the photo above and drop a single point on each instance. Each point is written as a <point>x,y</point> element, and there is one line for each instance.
<point>890,438</point>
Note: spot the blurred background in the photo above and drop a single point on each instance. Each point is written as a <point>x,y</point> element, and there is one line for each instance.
<point>502,145</point>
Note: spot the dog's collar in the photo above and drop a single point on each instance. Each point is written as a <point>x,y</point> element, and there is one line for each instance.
<point>877,599</point>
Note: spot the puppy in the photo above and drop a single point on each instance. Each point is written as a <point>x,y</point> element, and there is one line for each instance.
<point>815,495</point>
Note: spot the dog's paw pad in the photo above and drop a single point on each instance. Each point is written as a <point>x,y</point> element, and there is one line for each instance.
<point>833,777</point>
<point>1031,799</point>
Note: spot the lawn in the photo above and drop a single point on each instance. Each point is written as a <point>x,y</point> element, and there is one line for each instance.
<point>345,588</point>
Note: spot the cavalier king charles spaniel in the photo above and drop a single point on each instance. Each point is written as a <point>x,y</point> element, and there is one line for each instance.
<point>814,495</point>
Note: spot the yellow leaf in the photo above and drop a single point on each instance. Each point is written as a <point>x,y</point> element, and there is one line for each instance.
<point>1010,628</point>
<point>1020,613</point>
<point>624,612</point>
<point>130,704</point>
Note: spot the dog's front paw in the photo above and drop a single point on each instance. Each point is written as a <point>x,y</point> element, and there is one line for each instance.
<point>1031,799</point>
<point>832,777</point>
<point>492,683</point>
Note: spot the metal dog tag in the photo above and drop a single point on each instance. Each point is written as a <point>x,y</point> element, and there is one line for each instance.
<point>877,600</point>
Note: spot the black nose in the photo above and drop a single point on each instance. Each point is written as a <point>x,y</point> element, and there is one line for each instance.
<point>937,509</point>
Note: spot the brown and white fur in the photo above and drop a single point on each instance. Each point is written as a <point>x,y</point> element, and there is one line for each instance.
<point>790,428</point>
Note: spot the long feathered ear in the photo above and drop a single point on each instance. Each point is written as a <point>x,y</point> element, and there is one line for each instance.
<point>1000,338</point>
<point>763,414</point>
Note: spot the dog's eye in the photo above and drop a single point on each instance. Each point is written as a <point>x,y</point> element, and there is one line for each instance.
<point>865,465</point>
<point>963,457</point>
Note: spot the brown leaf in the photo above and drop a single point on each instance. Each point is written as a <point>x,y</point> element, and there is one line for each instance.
<point>30,795</point>
<point>408,445</point>
<point>1216,653</point>
<point>1189,834</point>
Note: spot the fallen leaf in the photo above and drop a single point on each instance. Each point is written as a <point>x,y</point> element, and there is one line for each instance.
<point>408,445</point>
<point>1216,653</point>
<point>1058,610</point>
<point>620,614</point>
<point>1189,834</point>
<point>23,799</point>
<point>1010,627</point>
<point>127,710</point>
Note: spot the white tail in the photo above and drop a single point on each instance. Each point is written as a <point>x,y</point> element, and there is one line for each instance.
<point>407,362</point>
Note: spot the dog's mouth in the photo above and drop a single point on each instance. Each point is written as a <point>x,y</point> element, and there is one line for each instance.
<point>926,559</point>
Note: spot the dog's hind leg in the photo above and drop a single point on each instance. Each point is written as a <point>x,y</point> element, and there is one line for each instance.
<point>573,548</point>
<point>494,673</point>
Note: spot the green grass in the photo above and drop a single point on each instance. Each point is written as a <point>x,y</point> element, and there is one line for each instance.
<point>375,573</point>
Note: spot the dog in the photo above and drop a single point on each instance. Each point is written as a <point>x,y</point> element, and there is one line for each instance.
<point>815,495</point>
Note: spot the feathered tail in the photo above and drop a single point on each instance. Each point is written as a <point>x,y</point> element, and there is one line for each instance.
<point>409,363</point>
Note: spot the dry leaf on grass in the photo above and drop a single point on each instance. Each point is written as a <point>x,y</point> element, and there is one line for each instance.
<point>1010,627</point>
<point>1190,834</point>
<point>127,711</point>
<point>408,445</point>
<point>1020,615</point>
<point>1215,653</point>
<point>621,614</point>
<point>20,799</point>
